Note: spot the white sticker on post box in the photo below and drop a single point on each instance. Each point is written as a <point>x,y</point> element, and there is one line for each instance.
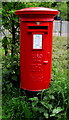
<point>37,41</point>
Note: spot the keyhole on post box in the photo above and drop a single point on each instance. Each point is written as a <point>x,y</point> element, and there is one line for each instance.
<point>37,23</point>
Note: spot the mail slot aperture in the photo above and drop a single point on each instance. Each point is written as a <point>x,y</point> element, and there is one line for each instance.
<point>38,27</point>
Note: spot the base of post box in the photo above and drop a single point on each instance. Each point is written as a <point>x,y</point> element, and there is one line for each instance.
<point>33,93</point>
<point>30,94</point>
<point>36,90</point>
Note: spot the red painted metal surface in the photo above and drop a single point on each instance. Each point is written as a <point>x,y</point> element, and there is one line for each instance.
<point>36,47</point>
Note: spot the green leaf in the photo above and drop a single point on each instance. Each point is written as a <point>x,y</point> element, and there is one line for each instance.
<point>41,110</point>
<point>57,110</point>
<point>14,77</point>
<point>12,11</point>
<point>34,104</point>
<point>34,99</point>
<point>46,115</point>
<point>52,115</point>
<point>35,109</point>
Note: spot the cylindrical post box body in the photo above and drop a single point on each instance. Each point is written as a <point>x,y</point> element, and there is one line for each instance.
<point>36,47</point>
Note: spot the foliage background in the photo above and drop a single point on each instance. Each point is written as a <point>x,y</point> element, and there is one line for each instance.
<point>48,104</point>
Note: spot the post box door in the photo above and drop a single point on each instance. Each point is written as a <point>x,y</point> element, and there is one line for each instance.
<point>36,59</point>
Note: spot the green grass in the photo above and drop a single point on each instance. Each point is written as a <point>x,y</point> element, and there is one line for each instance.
<point>60,54</point>
<point>48,104</point>
<point>60,79</point>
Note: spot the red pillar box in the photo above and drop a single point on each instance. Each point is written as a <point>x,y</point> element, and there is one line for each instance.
<point>36,47</point>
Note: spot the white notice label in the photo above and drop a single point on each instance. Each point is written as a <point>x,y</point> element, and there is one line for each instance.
<point>37,41</point>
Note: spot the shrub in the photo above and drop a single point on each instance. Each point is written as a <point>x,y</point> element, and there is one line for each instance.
<point>46,105</point>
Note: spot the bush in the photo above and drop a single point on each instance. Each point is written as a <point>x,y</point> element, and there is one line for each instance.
<point>46,105</point>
